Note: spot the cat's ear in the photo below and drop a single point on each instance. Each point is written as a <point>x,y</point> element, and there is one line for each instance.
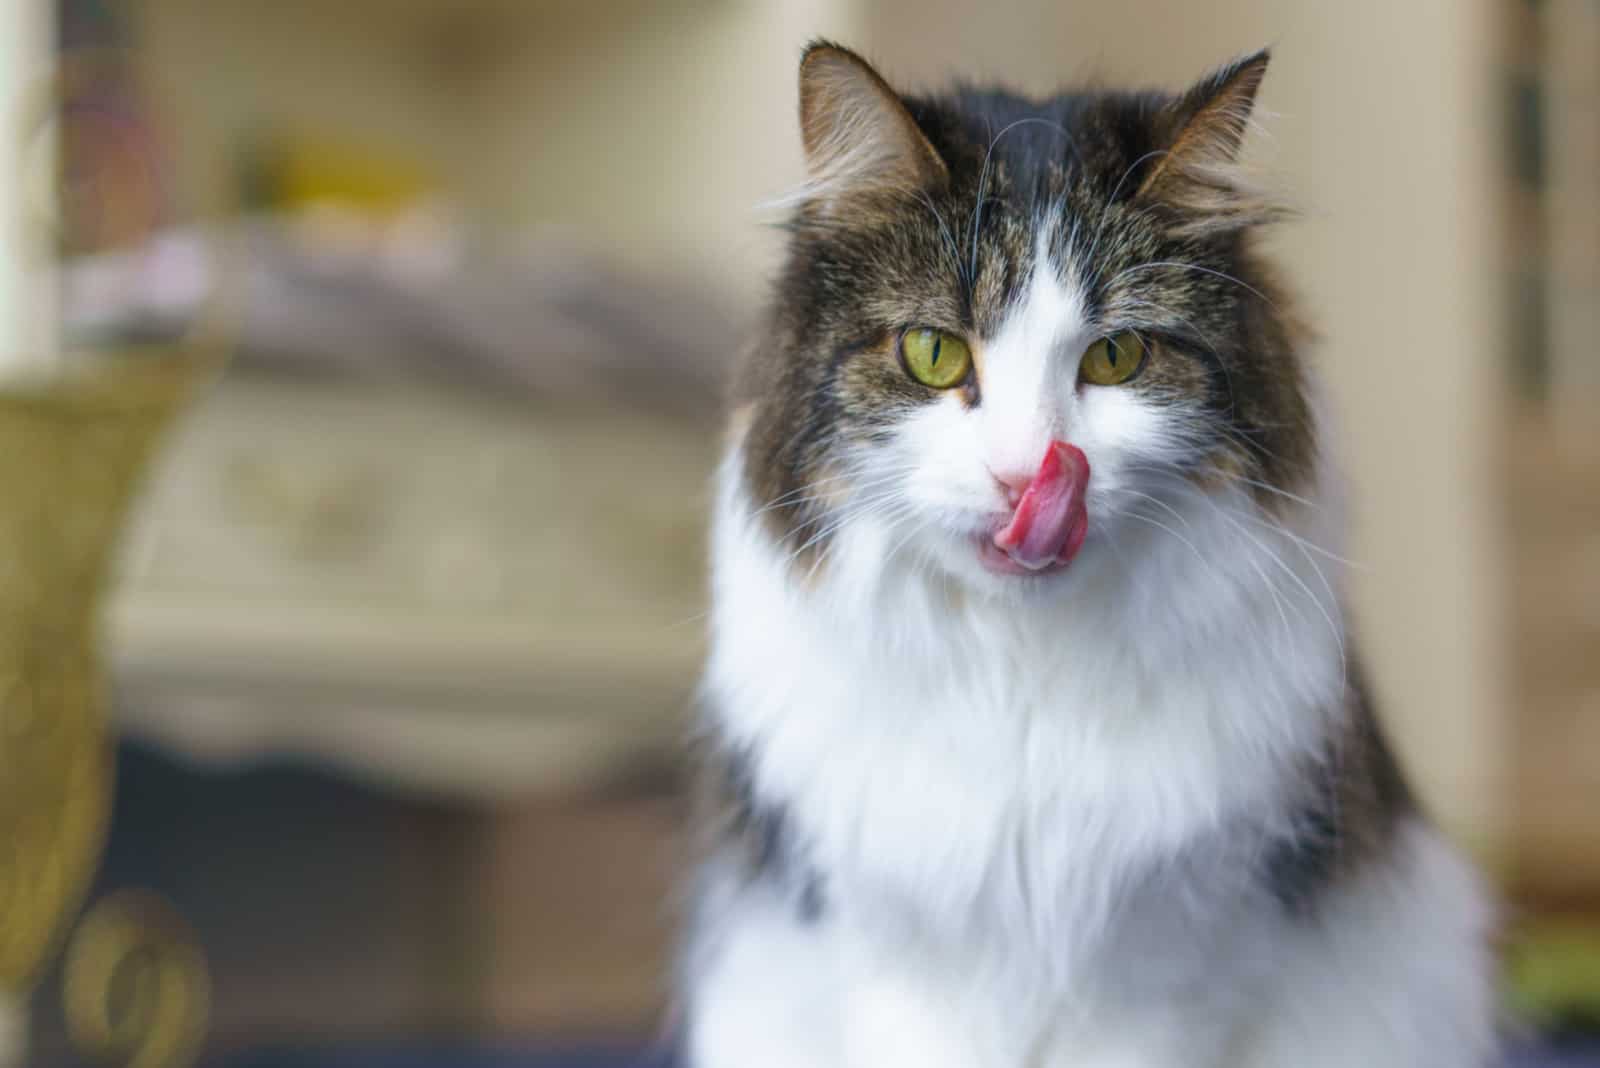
<point>1203,130</point>
<point>858,136</point>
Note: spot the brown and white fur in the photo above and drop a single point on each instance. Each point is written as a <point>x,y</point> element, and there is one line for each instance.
<point>1134,812</point>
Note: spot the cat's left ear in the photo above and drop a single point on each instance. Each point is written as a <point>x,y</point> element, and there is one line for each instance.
<point>1204,129</point>
<point>859,137</point>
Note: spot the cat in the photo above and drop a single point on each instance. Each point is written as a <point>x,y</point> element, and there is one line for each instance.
<point>1034,735</point>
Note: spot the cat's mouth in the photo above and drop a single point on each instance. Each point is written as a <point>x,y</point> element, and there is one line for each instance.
<point>1050,521</point>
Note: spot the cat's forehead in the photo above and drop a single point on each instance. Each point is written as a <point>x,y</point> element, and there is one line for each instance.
<point>1030,181</point>
<point>1094,133</point>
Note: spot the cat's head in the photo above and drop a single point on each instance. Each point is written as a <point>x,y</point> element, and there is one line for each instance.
<point>1009,331</point>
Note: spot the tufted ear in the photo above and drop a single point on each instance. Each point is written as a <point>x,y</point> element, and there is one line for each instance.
<point>858,135</point>
<point>1204,130</point>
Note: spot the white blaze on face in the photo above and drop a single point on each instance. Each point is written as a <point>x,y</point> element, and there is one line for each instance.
<point>1029,372</point>
<point>954,456</point>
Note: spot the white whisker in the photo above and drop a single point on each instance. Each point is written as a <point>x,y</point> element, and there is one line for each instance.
<point>1191,267</point>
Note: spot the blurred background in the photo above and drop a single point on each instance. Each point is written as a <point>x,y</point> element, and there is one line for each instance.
<point>405,619</point>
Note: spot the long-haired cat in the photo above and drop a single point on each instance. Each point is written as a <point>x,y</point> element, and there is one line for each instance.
<point>1036,736</point>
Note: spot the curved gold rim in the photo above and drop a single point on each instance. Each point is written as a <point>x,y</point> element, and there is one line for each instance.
<point>135,987</point>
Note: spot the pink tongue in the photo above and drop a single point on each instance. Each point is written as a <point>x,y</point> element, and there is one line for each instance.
<point>1051,519</point>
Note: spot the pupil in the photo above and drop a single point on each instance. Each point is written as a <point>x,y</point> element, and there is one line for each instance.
<point>1111,352</point>
<point>938,343</point>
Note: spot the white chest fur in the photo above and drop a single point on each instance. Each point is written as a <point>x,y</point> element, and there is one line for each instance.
<point>1036,822</point>
<point>1025,772</point>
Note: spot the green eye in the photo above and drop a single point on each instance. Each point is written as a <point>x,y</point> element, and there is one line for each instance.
<point>1111,361</point>
<point>935,358</point>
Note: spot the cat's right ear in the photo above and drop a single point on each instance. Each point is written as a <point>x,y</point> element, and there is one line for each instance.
<point>1198,172</point>
<point>859,137</point>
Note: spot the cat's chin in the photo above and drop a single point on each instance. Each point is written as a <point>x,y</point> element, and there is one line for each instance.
<point>997,561</point>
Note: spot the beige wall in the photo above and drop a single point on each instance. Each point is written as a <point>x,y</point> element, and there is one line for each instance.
<point>656,129</point>
<point>660,133</point>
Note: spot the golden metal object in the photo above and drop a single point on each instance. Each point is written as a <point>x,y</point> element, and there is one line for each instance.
<point>71,453</point>
<point>135,987</point>
<point>73,445</point>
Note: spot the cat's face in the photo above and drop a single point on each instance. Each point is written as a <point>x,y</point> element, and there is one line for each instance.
<point>1009,331</point>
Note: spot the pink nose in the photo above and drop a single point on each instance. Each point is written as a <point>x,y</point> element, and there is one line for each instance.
<point>1015,484</point>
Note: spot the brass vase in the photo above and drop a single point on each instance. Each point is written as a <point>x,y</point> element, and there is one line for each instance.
<point>72,453</point>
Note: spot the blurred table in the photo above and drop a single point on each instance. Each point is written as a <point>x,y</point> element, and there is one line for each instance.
<point>428,588</point>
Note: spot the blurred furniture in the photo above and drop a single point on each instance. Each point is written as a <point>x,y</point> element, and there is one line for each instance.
<point>1552,468</point>
<point>72,451</point>
<point>1554,539</point>
<point>407,627</point>
<point>426,588</point>
<point>335,913</point>
<point>1551,528</point>
<point>442,523</point>
<point>411,618</point>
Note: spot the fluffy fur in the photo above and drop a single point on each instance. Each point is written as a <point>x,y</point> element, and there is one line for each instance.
<point>1133,814</point>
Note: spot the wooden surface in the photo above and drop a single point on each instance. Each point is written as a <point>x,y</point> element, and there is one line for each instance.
<point>1554,548</point>
<point>578,907</point>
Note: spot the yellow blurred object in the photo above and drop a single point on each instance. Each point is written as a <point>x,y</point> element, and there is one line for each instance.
<point>71,455</point>
<point>136,986</point>
<point>310,171</point>
<point>1554,972</point>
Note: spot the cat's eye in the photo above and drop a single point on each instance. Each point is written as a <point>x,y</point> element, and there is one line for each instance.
<point>1111,361</point>
<point>935,358</point>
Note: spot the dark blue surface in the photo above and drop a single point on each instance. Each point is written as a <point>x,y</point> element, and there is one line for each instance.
<point>1571,1056</point>
<point>1584,1055</point>
<point>412,1056</point>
